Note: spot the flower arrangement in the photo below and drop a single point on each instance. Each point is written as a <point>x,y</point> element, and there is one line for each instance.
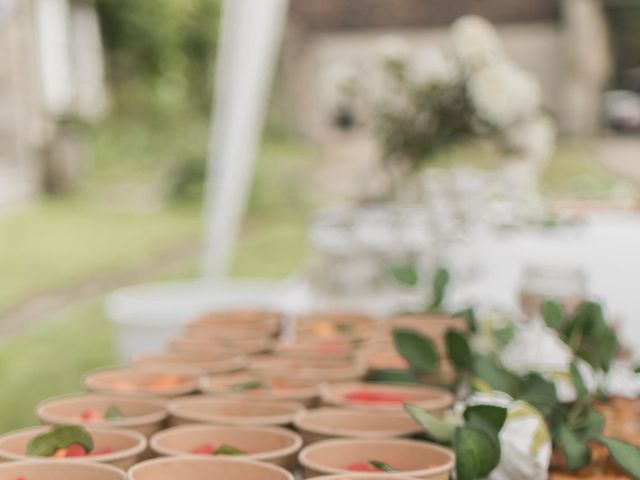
<point>559,375</point>
<point>469,90</point>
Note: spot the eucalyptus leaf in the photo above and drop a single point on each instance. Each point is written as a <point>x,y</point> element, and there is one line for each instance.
<point>398,377</point>
<point>539,392</point>
<point>405,274</point>
<point>486,417</point>
<point>495,376</point>
<point>469,314</point>
<point>229,450</point>
<point>440,283</point>
<point>505,334</point>
<point>113,413</point>
<point>417,350</point>
<point>248,385</point>
<point>458,350</point>
<point>440,430</point>
<point>627,456</point>
<point>59,437</point>
<point>383,466</point>
<point>575,448</point>
<point>477,453</point>
<point>578,381</point>
<point>552,313</point>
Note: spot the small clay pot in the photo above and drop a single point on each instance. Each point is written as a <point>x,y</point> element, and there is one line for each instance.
<point>351,325</point>
<point>196,468</point>
<point>201,346</point>
<point>317,348</point>
<point>212,363</point>
<point>433,326</point>
<point>164,380</point>
<point>269,444</point>
<point>413,458</point>
<point>361,476</point>
<point>326,423</point>
<point>226,334</point>
<point>127,446</point>
<point>328,370</point>
<point>434,399</point>
<point>56,470</point>
<point>257,320</point>
<point>277,388</point>
<point>146,416</point>
<point>232,411</point>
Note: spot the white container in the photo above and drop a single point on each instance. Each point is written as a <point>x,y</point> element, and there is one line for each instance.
<point>147,316</point>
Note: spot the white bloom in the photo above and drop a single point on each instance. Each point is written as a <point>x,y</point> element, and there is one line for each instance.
<point>504,94</point>
<point>536,348</point>
<point>389,48</point>
<point>475,42</point>
<point>524,438</point>
<point>534,139</point>
<point>622,381</point>
<point>432,66</point>
<point>565,390</point>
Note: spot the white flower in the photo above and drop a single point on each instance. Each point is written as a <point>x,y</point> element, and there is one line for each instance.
<point>622,381</point>
<point>536,348</point>
<point>524,439</point>
<point>534,139</point>
<point>565,390</point>
<point>504,94</point>
<point>475,42</point>
<point>432,66</point>
<point>389,48</point>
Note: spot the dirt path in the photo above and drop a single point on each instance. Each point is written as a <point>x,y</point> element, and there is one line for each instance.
<point>36,308</point>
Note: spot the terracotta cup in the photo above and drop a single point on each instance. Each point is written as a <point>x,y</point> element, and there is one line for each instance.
<point>165,380</point>
<point>434,399</point>
<point>276,388</point>
<point>269,444</point>
<point>353,325</point>
<point>223,333</point>
<point>361,476</point>
<point>232,411</point>
<point>328,370</point>
<point>267,321</point>
<point>204,346</point>
<point>55,470</point>
<point>211,363</point>
<point>127,446</point>
<point>194,468</point>
<point>413,458</point>
<point>434,326</point>
<point>143,415</point>
<point>326,423</point>
<point>317,348</point>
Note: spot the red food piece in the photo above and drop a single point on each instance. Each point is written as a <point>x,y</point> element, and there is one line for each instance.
<point>204,449</point>
<point>369,396</point>
<point>22,478</point>
<point>102,451</point>
<point>361,467</point>
<point>90,415</point>
<point>76,450</point>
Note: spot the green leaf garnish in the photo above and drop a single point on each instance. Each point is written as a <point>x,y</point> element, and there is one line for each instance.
<point>405,274</point>
<point>575,448</point>
<point>627,456</point>
<point>477,453</point>
<point>436,428</point>
<point>490,418</point>
<point>469,315</point>
<point>229,450</point>
<point>440,283</point>
<point>459,351</point>
<point>59,437</point>
<point>114,414</point>
<point>249,385</point>
<point>402,377</point>
<point>383,466</point>
<point>578,381</point>
<point>552,313</point>
<point>418,350</point>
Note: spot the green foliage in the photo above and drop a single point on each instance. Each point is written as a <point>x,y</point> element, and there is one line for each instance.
<point>459,351</point>
<point>418,350</point>
<point>59,437</point>
<point>249,385</point>
<point>439,290</point>
<point>113,413</point>
<point>405,274</point>
<point>469,314</point>
<point>225,449</point>
<point>383,466</point>
<point>440,430</point>
<point>625,455</point>
<point>552,313</point>
<point>399,377</point>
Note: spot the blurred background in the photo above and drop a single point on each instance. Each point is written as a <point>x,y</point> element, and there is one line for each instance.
<point>105,112</point>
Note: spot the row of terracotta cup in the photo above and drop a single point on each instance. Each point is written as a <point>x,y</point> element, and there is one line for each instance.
<point>220,351</point>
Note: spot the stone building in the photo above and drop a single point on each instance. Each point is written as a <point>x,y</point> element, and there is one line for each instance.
<point>563,42</point>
